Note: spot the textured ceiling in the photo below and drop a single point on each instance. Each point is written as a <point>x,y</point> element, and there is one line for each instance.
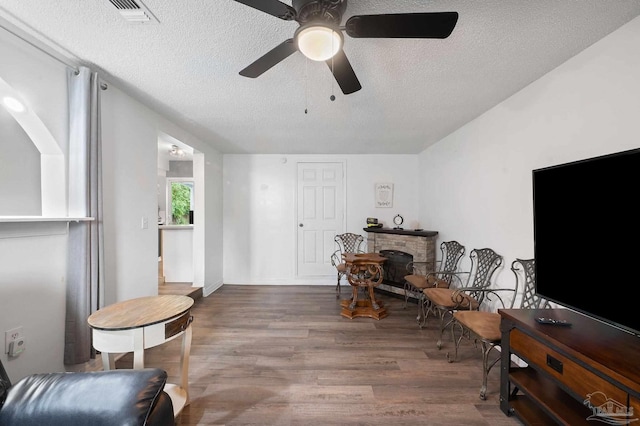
<point>414,92</point>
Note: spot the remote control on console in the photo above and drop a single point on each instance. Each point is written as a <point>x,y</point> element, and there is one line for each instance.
<point>551,321</point>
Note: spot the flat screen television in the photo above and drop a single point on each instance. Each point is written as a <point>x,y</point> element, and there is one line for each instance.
<point>586,219</point>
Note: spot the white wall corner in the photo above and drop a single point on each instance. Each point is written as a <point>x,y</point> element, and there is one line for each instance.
<point>210,288</point>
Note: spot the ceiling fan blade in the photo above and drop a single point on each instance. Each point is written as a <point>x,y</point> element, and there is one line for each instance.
<point>272,7</point>
<point>343,73</point>
<point>269,59</point>
<point>402,25</point>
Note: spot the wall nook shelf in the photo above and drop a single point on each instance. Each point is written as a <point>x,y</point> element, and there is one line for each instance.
<point>22,219</point>
<point>36,226</point>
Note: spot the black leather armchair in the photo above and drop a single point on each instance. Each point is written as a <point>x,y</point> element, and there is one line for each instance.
<point>105,398</point>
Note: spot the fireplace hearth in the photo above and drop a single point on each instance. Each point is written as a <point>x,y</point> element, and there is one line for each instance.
<point>395,267</point>
<point>420,245</point>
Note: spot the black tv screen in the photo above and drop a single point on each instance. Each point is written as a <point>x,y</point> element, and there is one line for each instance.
<point>587,237</point>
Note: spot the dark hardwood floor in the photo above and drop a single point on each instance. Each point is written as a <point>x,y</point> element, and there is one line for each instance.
<point>283,355</point>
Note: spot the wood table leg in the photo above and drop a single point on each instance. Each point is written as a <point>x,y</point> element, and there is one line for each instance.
<point>354,297</point>
<point>374,304</point>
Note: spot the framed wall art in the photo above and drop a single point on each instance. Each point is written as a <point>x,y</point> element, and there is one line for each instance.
<point>384,195</point>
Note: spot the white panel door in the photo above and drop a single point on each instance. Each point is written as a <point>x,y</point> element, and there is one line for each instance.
<point>320,216</point>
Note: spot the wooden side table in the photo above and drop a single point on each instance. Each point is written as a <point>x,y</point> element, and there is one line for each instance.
<point>137,324</point>
<point>363,270</point>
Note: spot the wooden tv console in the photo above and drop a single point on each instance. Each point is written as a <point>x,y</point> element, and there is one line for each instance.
<point>587,373</point>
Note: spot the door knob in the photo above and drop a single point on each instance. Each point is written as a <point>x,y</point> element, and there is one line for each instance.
<point>301,225</point>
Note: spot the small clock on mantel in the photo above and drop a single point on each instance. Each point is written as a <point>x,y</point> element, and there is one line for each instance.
<point>398,220</point>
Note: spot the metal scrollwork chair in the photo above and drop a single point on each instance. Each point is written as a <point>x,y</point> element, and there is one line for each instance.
<point>484,326</point>
<point>347,243</point>
<point>469,296</point>
<point>415,283</point>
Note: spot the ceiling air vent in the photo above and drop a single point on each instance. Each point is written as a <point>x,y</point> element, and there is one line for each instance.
<point>134,11</point>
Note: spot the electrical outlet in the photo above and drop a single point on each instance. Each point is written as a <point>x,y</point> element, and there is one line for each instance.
<point>17,347</point>
<point>11,336</point>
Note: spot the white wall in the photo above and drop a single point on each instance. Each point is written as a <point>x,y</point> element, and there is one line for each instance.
<point>208,231</point>
<point>33,256</point>
<point>260,210</point>
<point>19,170</point>
<point>129,150</point>
<point>40,80</point>
<point>476,183</point>
<point>32,294</point>
<point>130,173</point>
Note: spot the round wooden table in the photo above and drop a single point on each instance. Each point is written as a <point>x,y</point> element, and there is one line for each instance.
<point>137,324</point>
<point>363,270</point>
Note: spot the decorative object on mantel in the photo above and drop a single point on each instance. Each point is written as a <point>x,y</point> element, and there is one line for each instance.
<point>384,195</point>
<point>372,222</point>
<point>398,220</point>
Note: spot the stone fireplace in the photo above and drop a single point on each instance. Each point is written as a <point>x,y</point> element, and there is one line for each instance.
<point>420,245</point>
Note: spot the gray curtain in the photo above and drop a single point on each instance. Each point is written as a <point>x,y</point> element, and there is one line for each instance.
<point>85,274</point>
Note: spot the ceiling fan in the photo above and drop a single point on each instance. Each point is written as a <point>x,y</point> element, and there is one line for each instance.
<point>319,36</point>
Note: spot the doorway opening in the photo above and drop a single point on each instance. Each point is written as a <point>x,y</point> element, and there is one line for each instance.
<point>180,217</point>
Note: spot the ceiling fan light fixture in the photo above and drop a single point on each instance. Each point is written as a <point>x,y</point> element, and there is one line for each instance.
<point>318,42</point>
<point>177,152</point>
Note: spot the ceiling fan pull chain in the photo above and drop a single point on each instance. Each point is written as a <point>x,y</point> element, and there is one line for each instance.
<point>333,80</point>
<point>306,85</point>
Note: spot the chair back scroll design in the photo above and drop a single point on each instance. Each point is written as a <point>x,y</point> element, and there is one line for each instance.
<point>525,272</point>
<point>484,263</point>
<point>445,301</point>
<point>484,326</point>
<point>346,243</point>
<point>452,252</point>
<point>414,283</point>
<point>349,243</point>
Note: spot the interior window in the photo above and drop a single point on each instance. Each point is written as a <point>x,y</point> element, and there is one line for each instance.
<point>180,199</point>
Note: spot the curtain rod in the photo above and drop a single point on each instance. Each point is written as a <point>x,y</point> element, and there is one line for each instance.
<point>34,41</point>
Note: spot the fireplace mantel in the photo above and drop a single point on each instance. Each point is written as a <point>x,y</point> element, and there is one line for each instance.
<point>402,232</point>
<point>420,244</point>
